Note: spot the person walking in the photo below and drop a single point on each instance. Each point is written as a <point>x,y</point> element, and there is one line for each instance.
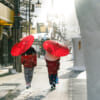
<point>52,63</point>
<point>29,60</point>
<point>54,50</point>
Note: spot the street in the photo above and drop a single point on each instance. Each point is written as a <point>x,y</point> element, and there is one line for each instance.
<point>71,86</point>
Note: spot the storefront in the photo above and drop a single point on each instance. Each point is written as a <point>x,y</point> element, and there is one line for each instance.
<point>6,20</point>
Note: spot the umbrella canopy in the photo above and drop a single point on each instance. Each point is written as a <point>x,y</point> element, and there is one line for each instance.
<point>22,46</point>
<point>55,48</point>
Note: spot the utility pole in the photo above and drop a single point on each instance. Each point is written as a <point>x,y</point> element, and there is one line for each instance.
<point>29,16</point>
<point>17,34</point>
<point>26,19</point>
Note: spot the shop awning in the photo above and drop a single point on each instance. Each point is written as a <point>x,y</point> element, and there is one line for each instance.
<point>6,15</point>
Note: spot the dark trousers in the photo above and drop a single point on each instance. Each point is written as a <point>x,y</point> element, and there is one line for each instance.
<point>52,78</point>
<point>28,73</point>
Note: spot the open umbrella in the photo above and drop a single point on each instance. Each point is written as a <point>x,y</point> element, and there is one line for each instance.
<point>55,48</point>
<point>22,46</point>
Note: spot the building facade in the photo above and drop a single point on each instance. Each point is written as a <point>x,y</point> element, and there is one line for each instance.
<point>6,22</point>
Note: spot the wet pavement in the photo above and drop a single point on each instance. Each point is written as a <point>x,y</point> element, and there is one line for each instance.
<point>71,86</point>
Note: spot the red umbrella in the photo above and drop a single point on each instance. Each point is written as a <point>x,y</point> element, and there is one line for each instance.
<point>55,48</point>
<point>22,46</point>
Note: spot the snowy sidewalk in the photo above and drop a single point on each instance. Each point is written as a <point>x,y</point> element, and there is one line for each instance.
<point>72,85</point>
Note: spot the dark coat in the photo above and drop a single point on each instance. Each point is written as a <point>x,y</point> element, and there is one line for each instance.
<point>53,66</point>
<point>29,58</point>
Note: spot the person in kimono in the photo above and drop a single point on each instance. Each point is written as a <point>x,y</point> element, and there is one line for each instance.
<point>52,63</point>
<point>29,60</point>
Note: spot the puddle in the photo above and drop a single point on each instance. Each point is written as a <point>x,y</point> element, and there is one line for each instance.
<point>11,95</point>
